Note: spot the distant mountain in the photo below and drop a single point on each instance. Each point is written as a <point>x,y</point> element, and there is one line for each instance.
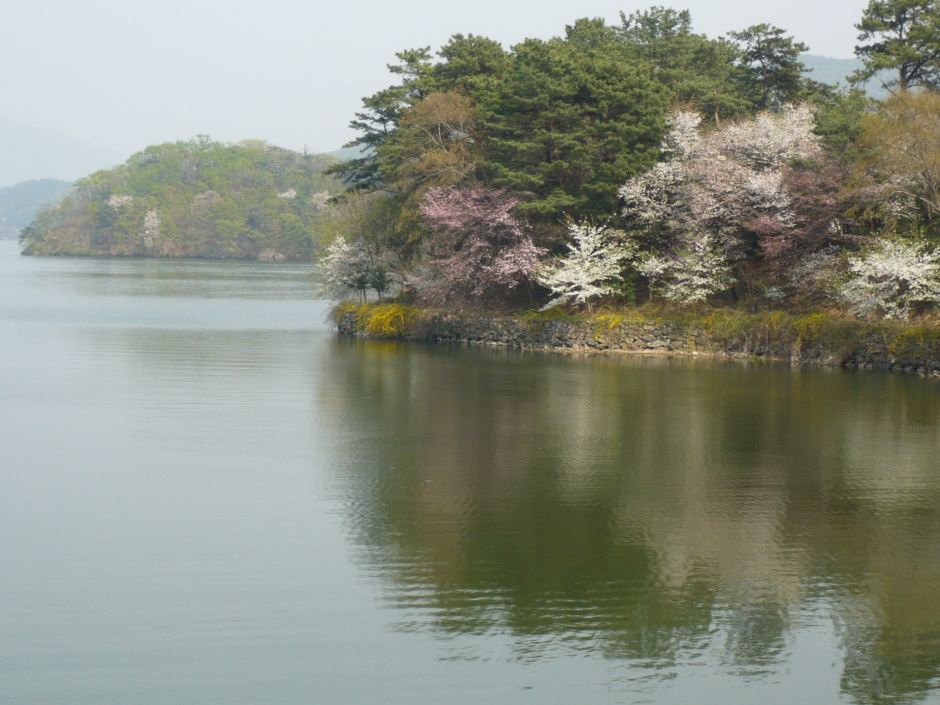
<point>348,153</point>
<point>833,71</point>
<point>29,153</point>
<point>18,204</point>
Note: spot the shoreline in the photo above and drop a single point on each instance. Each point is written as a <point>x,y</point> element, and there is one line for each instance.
<point>813,340</point>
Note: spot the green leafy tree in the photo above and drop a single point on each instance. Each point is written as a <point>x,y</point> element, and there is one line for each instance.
<point>902,148</point>
<point>437,144</point>
<point>370,220</point>
<point>839,114</point>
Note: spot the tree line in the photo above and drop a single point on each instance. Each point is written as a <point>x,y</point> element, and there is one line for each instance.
<point>643,160</point>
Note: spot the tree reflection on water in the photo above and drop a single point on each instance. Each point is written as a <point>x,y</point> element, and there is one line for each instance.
<point>656,511</point>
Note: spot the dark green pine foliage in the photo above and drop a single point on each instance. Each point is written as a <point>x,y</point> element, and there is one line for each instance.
<point>568,120</point>
<point>472,64</point>
<point>839,115</point>
<point>379,117</point>
<point>574,118</point>
<point>901,37</point>
<point>699,73</point>
<point>772,73</point>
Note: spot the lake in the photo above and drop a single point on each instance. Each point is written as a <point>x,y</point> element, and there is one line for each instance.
<point>208,497</point>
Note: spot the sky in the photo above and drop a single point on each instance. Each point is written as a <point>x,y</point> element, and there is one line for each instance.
<point>125,75</point>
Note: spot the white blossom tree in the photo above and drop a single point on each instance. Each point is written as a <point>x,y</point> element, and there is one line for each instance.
<point>591,268</point>
<point>692,211</point>
<point>151,227</point>
<point>351,267</point>
<point>689,274</point>
<point>892,277</point>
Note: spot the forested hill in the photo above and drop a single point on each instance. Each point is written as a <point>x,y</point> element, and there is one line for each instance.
<point>193,199</point>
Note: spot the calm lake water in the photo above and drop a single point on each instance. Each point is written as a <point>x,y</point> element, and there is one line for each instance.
<point>209,498</point>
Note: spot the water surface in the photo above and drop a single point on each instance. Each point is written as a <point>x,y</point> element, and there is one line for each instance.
<point>208,497</point>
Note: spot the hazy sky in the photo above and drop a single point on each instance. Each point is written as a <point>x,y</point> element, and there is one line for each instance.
<point>128,74</point>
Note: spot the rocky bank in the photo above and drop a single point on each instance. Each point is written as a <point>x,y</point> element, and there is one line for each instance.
<point>810,340</point>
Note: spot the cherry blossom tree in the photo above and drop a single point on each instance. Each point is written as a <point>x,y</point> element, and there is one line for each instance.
<point>689,273</point>
<point>801,255</point>
<point>479,247</point>
<point>352,267</point>
<point>691,214</point>
<point>591,268</point>
<point>892,278</point>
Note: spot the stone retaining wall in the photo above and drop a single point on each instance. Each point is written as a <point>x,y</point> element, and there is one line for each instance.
<point>902,352</point>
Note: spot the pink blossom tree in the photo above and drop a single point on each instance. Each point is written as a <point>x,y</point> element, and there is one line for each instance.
<point>801,254</point>
<point>479,247</point>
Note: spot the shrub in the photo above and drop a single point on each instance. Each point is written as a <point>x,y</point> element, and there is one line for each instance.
<point>386,320</point>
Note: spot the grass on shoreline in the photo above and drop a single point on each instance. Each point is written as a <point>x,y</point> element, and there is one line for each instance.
<point>750,331</point>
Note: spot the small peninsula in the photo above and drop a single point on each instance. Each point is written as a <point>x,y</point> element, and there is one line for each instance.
<point>641,170</point>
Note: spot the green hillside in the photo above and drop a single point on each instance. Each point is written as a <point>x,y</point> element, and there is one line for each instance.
<point>193,199</point>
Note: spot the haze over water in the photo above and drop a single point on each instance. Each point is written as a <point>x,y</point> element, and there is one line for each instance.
<point>208,497</point>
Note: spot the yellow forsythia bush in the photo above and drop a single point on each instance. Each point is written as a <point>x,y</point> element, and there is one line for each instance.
<point>387,320</point>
